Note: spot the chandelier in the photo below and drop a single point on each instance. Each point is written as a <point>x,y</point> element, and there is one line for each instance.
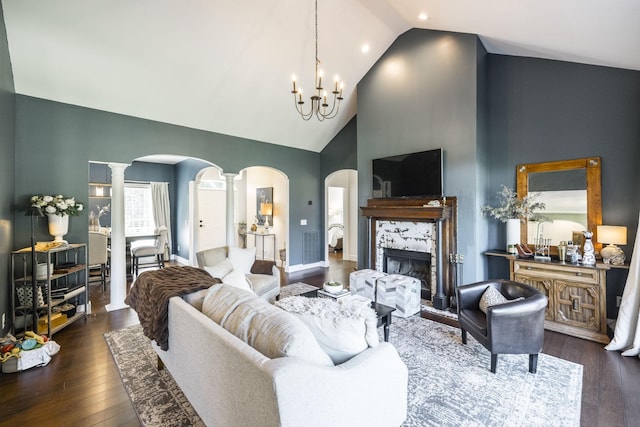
<point>319,104</point>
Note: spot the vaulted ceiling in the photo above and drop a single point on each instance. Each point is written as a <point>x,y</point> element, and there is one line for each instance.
<point>226,66</point>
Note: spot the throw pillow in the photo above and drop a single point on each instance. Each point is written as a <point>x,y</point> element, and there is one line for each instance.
<point>222,300</point>
<point>343,328</point>
<point>220,269</point>
<point>237,279</point>
<point>492,296</point>
<point>197,298</point>
<point>242,259</point>
<point>273,332</point>
<point>262,267</point>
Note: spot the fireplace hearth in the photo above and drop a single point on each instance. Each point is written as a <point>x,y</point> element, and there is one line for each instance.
<point>410,263</point>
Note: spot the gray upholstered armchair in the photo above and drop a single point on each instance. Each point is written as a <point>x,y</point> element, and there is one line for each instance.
<point>511,328</point>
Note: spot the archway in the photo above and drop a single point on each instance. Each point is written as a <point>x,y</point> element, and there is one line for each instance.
<point>341,213</point>
<point>251,183</point>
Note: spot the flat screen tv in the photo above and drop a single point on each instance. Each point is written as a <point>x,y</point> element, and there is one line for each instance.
<point>409,175</point>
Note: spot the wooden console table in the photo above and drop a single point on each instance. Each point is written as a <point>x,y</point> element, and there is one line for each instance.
<point>577,294</point>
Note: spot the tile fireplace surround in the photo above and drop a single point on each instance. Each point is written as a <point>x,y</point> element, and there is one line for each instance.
<point>410,224</point>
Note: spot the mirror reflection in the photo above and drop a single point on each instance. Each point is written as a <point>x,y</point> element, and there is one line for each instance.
<point>565,195</point>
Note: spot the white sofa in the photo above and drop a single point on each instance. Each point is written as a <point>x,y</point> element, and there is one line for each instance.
<point>266,286</point>
<point>229,383</point>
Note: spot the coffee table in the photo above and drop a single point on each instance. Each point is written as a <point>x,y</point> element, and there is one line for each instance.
<point>383,312</point>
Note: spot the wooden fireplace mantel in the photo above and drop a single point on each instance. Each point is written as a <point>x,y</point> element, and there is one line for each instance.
<point>417,209</point>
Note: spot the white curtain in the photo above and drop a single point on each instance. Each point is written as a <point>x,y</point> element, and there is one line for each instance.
<point>162,208</point>
<point>626,336</point>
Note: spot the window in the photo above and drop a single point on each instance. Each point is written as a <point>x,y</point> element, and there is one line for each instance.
<point>138,210</point>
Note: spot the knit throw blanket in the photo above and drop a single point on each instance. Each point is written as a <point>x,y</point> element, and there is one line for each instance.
<point>149,297</point>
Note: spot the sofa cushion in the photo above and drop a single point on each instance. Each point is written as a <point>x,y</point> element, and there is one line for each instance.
<point>242,259</point>
<point>343,328</point>
<point>222,300</point>
<point>262,267</point>
<point>220,269</point>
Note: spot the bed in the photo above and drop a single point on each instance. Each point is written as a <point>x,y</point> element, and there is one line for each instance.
<point>335,234</point>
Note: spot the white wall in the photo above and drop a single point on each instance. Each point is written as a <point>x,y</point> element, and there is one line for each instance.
<point>261,177</point>
<point>348,180</point>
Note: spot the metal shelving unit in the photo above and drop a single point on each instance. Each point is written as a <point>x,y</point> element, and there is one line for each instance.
<point>66,281</point>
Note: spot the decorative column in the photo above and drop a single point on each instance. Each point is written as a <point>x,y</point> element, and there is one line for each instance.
<point>231,232</point>
<point>118,240</point>
<point>440,300</point>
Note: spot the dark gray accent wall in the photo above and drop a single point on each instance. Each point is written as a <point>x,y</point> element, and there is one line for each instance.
<point>54,142</point>
<point>339,154</point>
<point>7,171</point>
<point>543,110</point>
<point>342,151</point>
<point>422,94</point>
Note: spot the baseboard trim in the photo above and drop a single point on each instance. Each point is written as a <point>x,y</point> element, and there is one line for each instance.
<point>302,267</point>
<point>180,260</point>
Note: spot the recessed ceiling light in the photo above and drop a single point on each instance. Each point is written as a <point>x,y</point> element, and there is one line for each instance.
<point>423,16</point>
<point>365,48</point>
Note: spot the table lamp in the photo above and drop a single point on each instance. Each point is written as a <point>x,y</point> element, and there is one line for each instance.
<point>612,235</point>
<point>266,210</point>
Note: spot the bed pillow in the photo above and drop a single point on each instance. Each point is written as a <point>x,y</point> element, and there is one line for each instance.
<point>242,259</point>
<point>343,328</point>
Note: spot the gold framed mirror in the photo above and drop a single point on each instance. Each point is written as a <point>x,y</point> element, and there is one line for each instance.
<point>571,189</point>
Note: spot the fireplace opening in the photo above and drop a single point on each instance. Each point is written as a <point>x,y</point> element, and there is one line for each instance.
<point>410,263</point>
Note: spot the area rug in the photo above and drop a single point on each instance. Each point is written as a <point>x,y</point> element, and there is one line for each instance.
<point>449,383</point>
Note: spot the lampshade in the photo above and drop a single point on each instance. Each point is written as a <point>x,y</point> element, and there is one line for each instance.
<point>266,208</point>
<point>612,234</point>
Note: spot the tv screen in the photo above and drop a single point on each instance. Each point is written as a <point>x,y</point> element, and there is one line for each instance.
<point>408,175</point>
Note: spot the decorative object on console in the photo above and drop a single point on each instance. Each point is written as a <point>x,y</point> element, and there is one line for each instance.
<point>319,97</point>
<point>513,211</point>
<point>542,249</point>
<point>589,255</point>
<point>562,251</point>
<point>264,206</point>
<point>266,210</point>
<point>612,235</point>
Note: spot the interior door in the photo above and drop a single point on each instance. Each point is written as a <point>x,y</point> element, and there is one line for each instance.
<point>210,210</point>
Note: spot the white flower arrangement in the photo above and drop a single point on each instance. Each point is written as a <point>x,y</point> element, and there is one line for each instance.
<point>511,207</point>
<point>58,205</point>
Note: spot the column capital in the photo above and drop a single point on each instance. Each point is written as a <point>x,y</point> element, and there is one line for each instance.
<point>122,166</point>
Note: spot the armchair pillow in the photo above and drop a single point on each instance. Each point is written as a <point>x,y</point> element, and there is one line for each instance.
<point>237,279</point>
<point>492,297</point>
<point>221,269</point>
<point>242,259</point>
<point>262,267</point>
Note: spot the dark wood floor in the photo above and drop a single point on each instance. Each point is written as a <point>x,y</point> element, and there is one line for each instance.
<point>81,385</point>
